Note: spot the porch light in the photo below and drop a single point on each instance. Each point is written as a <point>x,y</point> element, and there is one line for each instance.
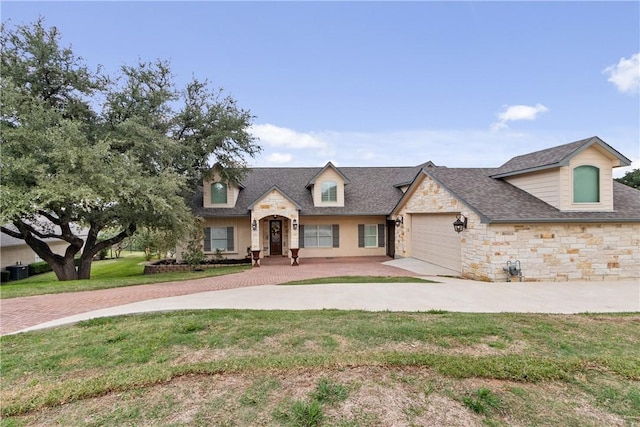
<point>254,225</point>
<point>458,224</point>
<point>295,224</point>
<point>399,220</point>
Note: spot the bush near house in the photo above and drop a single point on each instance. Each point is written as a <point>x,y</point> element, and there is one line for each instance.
<point>39,268</point>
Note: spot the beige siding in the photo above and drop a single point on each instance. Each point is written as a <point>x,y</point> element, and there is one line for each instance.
<point>348,236</point>
<point>592,156</point>
<point>545,185</point>
<point>328,175</point>
<point>241,238</point>
<point>232,194</point>
<point>11,255</point>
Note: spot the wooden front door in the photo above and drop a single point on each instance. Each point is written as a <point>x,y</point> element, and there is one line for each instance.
<point>275,237</point>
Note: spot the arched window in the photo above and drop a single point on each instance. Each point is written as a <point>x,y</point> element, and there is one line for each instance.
<point>586,184</point>
<point>329,191</point>
<point>218,193</point>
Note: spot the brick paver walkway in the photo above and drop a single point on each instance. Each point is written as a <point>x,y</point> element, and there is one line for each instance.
<point>20,313</point>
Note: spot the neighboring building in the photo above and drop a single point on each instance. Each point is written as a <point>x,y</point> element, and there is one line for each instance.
<point>15,251</point>
<point>558,212</point>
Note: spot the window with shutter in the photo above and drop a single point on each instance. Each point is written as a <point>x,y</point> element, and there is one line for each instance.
<point>221,238</point>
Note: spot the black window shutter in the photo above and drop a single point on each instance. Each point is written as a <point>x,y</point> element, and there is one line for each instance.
<point>336,235</point>
<point>301,236</point>
<point>230,247</point>
<point>207,239</point>
<point>381,239</point>
<point>361,235</point>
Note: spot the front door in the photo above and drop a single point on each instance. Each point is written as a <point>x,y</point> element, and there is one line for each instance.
<point>275,237</point>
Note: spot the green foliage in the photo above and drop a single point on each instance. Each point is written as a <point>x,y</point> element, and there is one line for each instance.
<point>631,178</point>
<point>194,255</point>
<point>328,391</point>
<point>39,268</point>
<point>303,414</point>
<point>85,151</point>
<point>483,401</point>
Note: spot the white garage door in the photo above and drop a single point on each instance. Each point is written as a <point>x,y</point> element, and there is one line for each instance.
<point>434,240</point>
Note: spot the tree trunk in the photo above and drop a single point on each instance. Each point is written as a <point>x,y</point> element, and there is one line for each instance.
<point>84,268</point>
<point>64,268</point>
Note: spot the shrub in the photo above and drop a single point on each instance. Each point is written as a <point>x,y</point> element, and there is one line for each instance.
<point>39,268</point>
<point>4,276</point>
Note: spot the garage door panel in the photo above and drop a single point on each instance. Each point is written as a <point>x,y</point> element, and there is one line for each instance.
<point>433,240</point>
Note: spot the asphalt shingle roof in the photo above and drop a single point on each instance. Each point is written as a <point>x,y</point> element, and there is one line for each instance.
<point>375,191</point>
<point>550,157</point>
<point>369,191</point>
<point>495,200</point>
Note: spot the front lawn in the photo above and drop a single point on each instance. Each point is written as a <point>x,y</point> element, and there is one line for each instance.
<point>358,279</point>
<point>111,273</point>
<point>326,367</point>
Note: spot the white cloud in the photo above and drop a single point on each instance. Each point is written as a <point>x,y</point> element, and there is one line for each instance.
<point>517,112</point>
<point>279,158</point>
<point>275,136</point>
<point>625,74</point>
<point>445,147</point>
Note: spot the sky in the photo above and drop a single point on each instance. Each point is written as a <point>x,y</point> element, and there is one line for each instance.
<point>461,84</point>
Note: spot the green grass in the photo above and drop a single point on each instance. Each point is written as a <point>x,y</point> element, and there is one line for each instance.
<point>306,367</point>
<point>112,273</point>
<point>357,279</point>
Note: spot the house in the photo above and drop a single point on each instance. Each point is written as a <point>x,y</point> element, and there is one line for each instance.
<point>15,251</point>
<point>552,215</point>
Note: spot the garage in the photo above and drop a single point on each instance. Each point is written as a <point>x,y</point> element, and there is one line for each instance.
<point>434,240</point>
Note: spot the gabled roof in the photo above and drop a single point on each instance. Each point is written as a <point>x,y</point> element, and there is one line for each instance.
<point>312,181</point>
<point>274,188</point>
<point>497,201</point>
<point>371,190</point>
<point>554,157</point>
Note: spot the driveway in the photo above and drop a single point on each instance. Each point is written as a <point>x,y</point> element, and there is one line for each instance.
<point>256,289</point>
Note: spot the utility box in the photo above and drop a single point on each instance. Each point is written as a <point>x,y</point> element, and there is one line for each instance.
<point>17,272</point>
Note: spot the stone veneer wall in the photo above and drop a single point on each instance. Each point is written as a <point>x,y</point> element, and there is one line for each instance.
<point>556,252</point>
<point>547,252</point>
<point>274,203</point>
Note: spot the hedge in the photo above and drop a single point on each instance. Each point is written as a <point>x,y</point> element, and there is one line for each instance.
<point>39,268</point>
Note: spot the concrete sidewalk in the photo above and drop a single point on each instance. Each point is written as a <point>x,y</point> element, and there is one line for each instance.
<point>450,294</point>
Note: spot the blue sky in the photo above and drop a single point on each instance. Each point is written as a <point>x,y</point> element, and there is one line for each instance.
<point>462,84</point>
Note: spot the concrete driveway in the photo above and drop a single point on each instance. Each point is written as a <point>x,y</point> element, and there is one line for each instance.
<point>450,294</point>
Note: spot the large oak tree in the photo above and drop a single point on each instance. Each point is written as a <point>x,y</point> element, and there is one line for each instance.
<point>83,152</point>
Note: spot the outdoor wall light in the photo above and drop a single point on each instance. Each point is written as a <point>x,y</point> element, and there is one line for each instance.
<point>458,224</point>
<point>399,220</point>
<point>295,224</point>
<point>254,225</point>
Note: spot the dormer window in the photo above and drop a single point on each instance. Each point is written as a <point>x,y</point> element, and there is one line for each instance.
<point>218,193</point>
<point>586,184</point>
<point>329,191</point>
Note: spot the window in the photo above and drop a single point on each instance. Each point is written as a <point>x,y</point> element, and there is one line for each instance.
<point>218,193</point>
<point>370,236</point>
<point>218,238</point>
<point>319,236</point>
<point>586,184</point>
<point>329,192</point>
